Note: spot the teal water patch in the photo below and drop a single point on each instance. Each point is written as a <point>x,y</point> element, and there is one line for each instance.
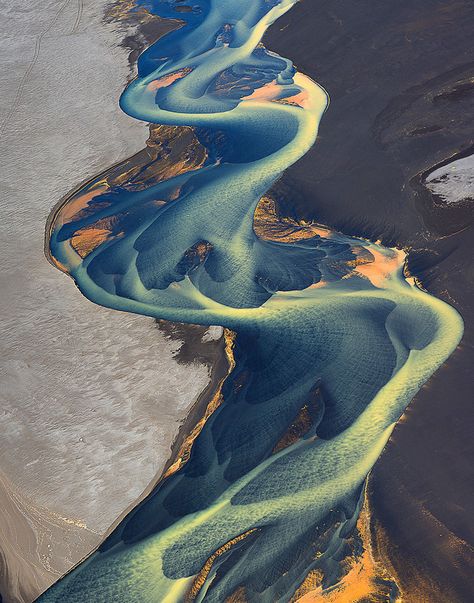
<point>327,325</point>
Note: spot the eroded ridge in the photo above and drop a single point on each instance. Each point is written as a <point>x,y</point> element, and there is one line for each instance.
<point>332,340</point>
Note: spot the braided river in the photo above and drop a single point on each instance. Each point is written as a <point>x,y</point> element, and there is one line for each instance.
<point>330,338</point>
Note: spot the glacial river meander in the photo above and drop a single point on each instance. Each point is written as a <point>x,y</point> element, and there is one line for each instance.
<point>332,340</point>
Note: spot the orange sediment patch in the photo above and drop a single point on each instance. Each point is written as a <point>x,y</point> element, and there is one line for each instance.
<point>366,579</point>
<point>269,226</point>
<point>169,79</point>
<point>88,239</point>
<point>73,207</point>
<point>266,92</point>
<point>270,92</point>
<point>170,151</point>
<point>382,267</point>
<point>300,100</point>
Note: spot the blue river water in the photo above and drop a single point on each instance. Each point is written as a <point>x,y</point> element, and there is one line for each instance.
<point>328,326</point>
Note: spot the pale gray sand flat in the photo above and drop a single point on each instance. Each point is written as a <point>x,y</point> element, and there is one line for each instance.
<point>453,182</point>
<point>91,399</point>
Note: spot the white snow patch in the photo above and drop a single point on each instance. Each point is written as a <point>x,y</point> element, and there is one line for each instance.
<point>453,182</point>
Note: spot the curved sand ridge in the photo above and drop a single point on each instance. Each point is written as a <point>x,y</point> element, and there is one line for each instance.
<point>327,327</point>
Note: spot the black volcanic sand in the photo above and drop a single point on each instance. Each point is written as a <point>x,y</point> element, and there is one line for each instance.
<point>400,78</point>
<point>192,348</point>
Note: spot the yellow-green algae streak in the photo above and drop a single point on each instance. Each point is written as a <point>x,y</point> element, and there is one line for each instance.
<point>323,321</point>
